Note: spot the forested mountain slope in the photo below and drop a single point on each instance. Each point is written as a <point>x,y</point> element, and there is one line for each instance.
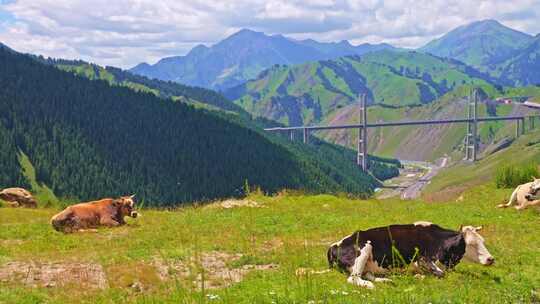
<point>165,89</point>
<point>87,139</point>
<point>308,93</point>
<point>381,168</point>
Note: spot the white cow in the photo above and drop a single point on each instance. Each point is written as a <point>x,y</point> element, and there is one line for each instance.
<point>524,195</point>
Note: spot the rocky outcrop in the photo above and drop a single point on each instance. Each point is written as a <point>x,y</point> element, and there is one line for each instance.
<point>18,197</point>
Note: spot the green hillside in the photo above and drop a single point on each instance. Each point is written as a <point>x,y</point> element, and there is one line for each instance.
<point>196,96</point>
<point>309,93</point>
<point>87,139</point>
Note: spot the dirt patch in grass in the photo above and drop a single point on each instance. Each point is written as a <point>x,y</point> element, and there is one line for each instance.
<point>236,203</point>
<point>239,203</point>
<point>137,276</point>
<point>210,269</point>
<point>56,274</point>
<point>11,242</point>
<point>271,245</point>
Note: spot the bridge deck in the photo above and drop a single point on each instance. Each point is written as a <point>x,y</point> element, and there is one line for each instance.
<point>400,123</point>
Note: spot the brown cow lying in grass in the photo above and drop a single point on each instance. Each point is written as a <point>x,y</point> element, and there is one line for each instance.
<point>524,195</point>
<point>106,212</point>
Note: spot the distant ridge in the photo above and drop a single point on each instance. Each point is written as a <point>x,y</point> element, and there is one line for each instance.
<point>479,43</point>
<point>242,56</point>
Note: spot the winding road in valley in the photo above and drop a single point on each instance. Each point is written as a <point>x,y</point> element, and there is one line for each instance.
<point>412,179</point>
<point>413,191</point>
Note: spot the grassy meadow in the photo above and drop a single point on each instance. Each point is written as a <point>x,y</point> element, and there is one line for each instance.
<point>289,231</point>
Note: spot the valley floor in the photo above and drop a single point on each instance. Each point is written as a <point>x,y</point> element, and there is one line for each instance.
<point>413,177</point>
<point>253,251</point>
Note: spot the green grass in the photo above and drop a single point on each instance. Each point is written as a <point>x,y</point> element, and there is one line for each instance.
<point>512,176</point>
<point>301,227</point>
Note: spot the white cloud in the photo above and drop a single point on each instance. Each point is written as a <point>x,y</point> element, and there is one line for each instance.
<point>126,32</point>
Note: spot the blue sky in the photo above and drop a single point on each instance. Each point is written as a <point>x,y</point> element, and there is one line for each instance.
<point>125,32</point>
<point>6,17</point>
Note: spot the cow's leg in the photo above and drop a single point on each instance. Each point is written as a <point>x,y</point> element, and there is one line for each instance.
<point>512,199</point>
<point>71,224</point>
<point>430,266</point>
<point>13,204</point>
<point>533,203</point>
<point>372,278</point>
<point>109,222</point>
<point>359,266</point>
<point>527,204</point>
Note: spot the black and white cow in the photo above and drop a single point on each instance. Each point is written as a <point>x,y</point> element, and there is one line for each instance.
<point>422,244</point>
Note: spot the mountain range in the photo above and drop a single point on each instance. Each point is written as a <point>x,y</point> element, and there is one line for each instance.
<point>479,44</point>
<point>487,45</point>
<point>320,82</point>
<point>508,55</point>
<point>243,56</point>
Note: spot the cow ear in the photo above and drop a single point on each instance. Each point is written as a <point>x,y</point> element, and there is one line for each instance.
<point>460,228</point>
<point>116,203</point>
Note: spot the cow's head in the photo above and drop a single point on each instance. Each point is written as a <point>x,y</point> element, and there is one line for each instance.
<point>475,250</point>
<point>126,206</point>
<point>535,186</point>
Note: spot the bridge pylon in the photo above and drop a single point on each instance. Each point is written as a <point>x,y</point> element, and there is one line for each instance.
<point>471,139</point>
<point>362,155</point>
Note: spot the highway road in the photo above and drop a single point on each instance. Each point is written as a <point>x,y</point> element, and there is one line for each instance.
<point>413,191</point>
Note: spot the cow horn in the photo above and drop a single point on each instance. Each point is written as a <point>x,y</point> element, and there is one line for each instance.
<point>478,228</point>
<point>533,178</point>
<point>132,196</point>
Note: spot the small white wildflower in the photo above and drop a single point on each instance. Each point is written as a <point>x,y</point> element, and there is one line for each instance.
<point>311,302</point>
<point>344,293</point>
<point>212,297</point>
<point>272,293</point>
<point>334,291</point>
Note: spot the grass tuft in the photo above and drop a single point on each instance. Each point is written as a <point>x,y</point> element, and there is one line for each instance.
<point>512,176</point>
